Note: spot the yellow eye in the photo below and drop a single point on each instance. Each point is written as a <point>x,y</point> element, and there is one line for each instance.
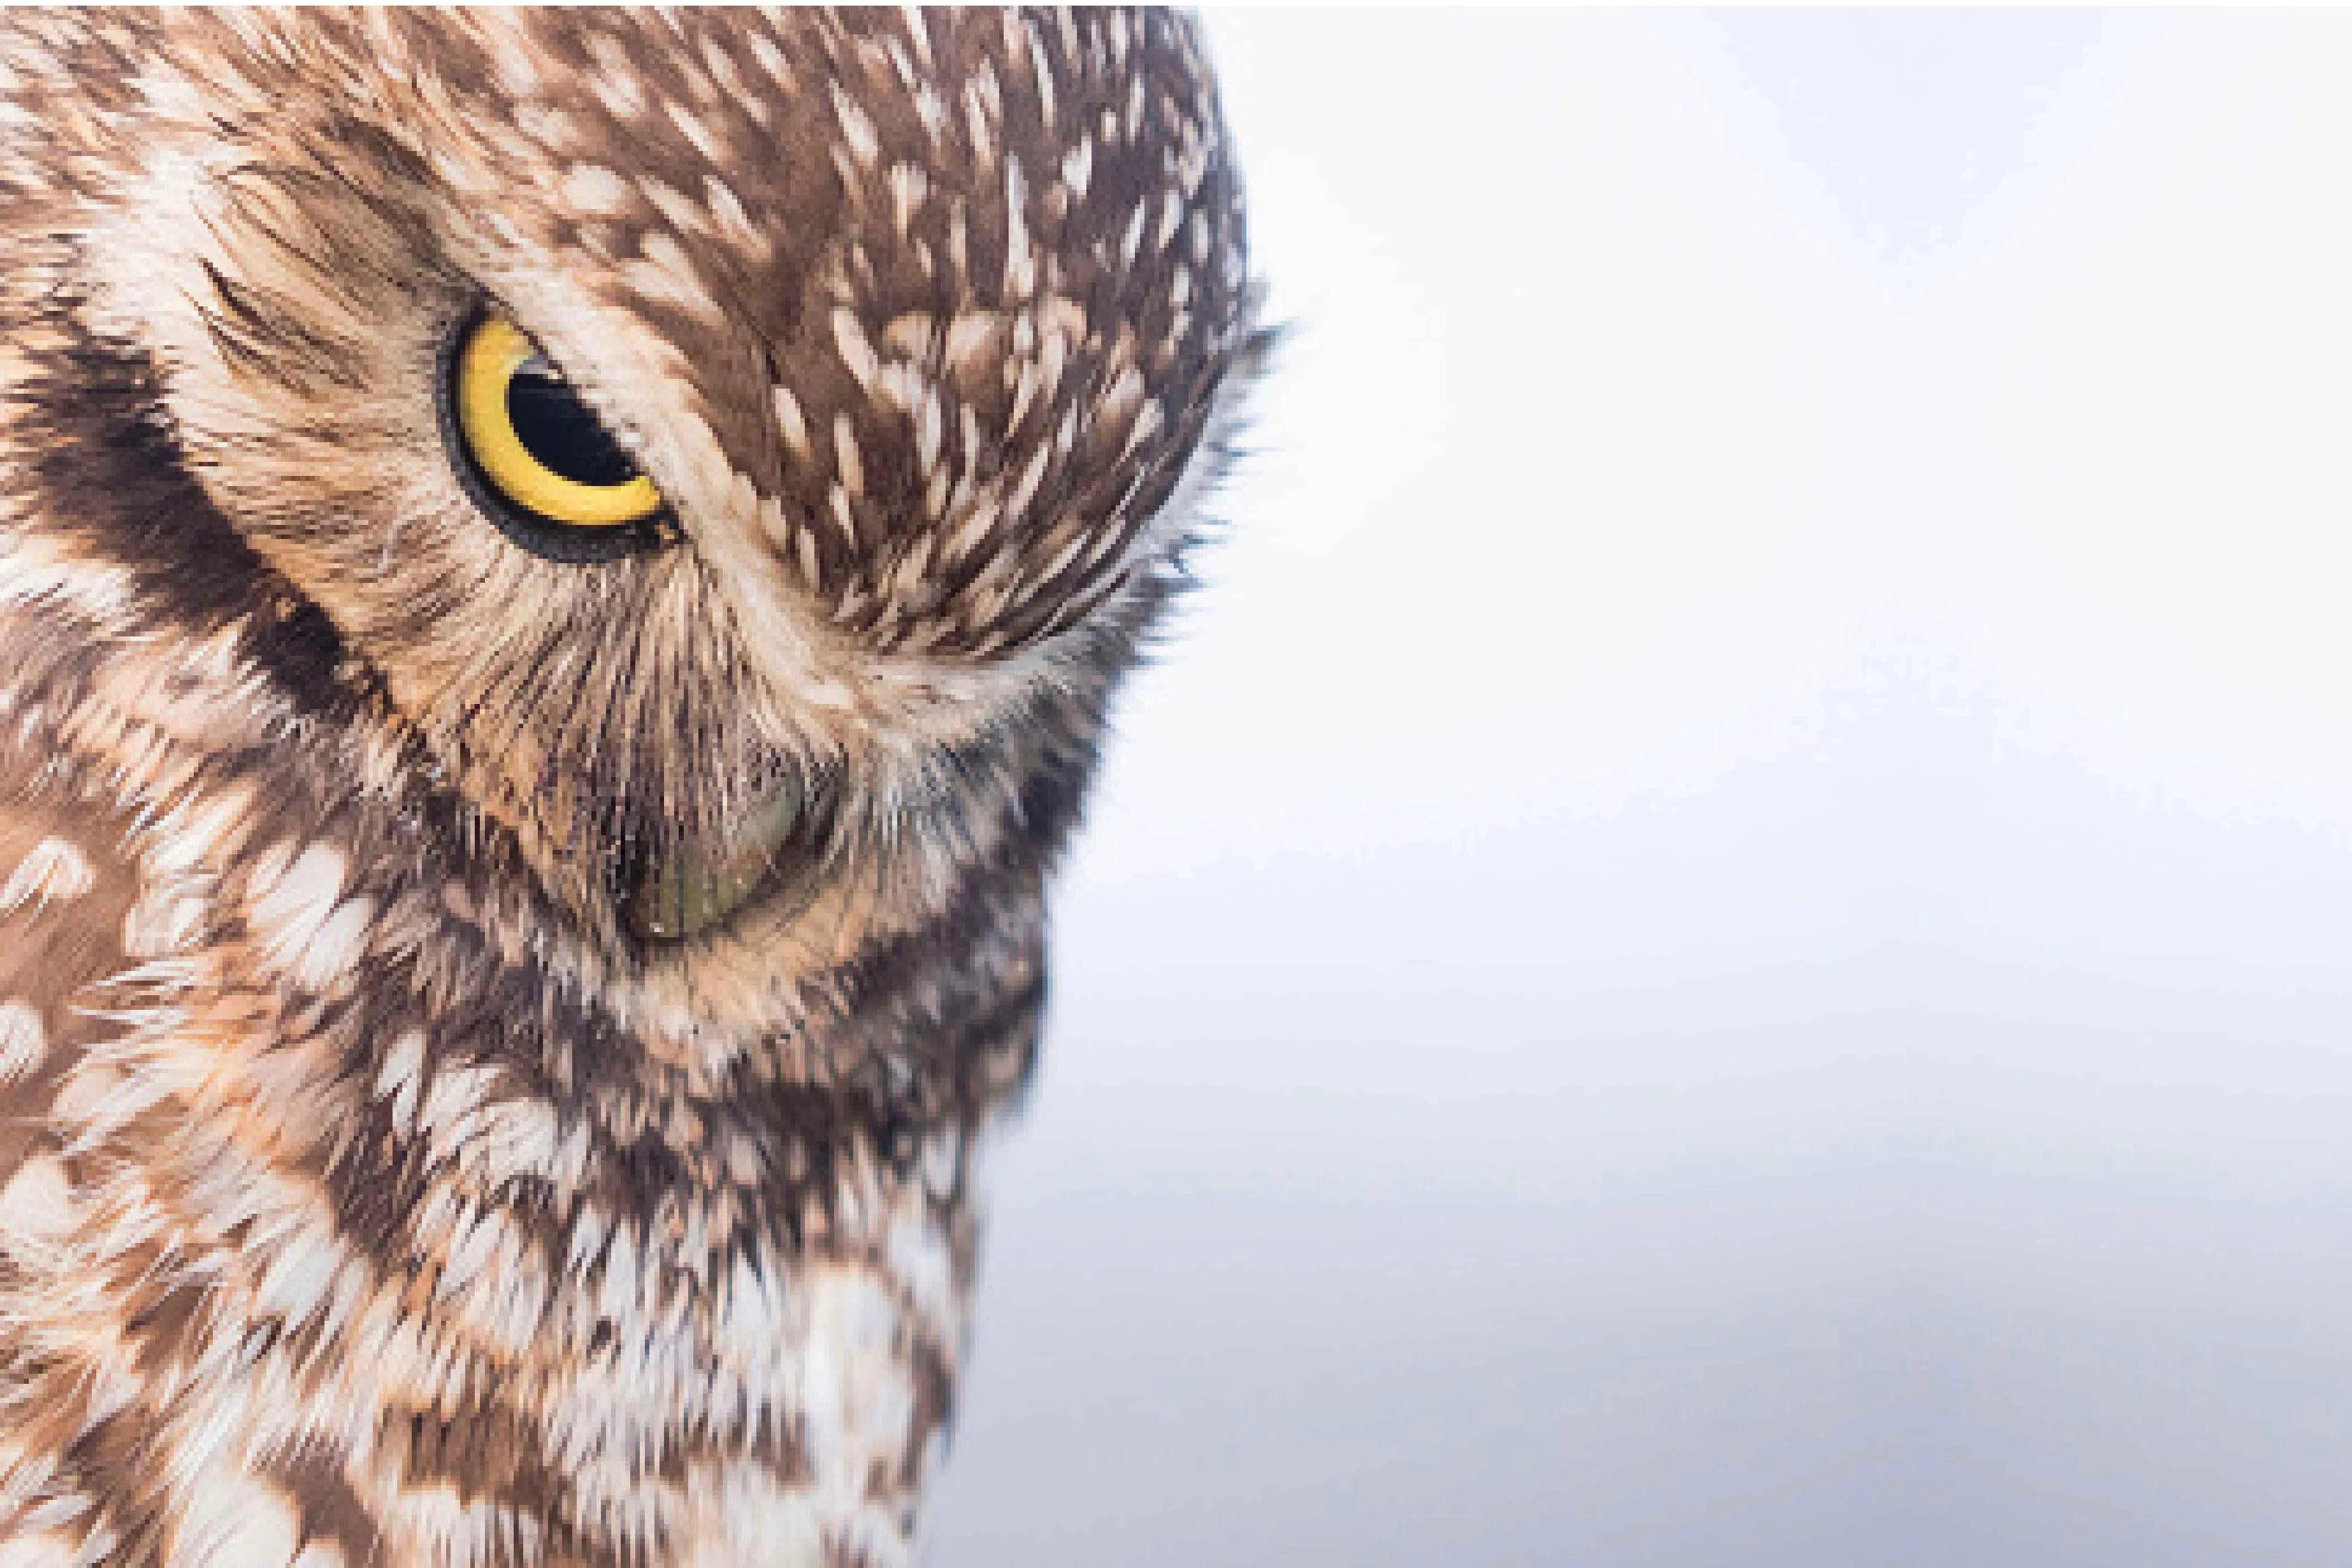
<point>534,441</point>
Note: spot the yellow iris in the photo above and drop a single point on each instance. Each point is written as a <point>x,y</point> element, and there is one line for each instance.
<point>488,363</point>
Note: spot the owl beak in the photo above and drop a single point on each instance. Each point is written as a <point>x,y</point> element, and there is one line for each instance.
<point>703,879</point>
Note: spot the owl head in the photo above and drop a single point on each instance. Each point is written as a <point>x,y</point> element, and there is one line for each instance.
<point>720,463</point>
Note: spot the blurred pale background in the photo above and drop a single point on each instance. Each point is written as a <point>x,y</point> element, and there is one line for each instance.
<point>1728,935</point>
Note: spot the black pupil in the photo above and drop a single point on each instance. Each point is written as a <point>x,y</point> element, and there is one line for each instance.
<point>557,428</point>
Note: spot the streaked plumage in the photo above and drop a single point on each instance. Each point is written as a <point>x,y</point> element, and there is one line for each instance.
<point>413,1147</point>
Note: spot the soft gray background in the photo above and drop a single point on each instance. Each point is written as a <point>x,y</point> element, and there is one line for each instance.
<point>1726,939</point>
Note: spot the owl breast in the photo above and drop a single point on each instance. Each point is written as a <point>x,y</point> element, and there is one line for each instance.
<point>335,1223</point>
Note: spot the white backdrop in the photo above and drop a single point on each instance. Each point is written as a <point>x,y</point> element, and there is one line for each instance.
<point>1725,936</point>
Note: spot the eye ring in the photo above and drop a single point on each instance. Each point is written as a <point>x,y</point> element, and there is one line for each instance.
<point>533,455</point>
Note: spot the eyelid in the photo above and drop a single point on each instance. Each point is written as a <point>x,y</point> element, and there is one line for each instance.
<point>493,350</point>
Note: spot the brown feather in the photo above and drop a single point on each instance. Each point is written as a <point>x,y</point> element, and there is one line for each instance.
<point>378,1182</point>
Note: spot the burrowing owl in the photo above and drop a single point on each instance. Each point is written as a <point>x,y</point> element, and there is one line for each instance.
<point>559,579</point>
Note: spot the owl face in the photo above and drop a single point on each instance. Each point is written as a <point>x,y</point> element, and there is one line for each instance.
<point>736,456</point>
